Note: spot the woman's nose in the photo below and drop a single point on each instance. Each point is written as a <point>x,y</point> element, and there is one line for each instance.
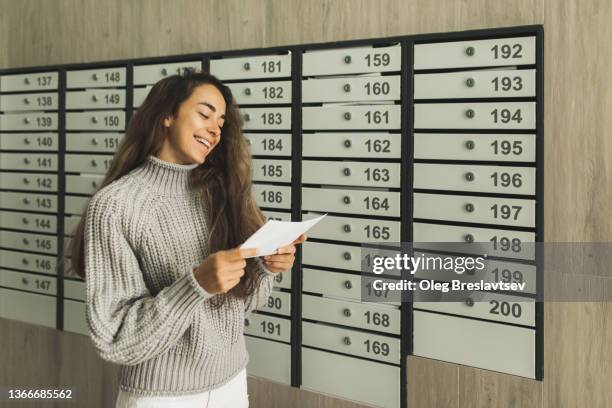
<point>214,130</point>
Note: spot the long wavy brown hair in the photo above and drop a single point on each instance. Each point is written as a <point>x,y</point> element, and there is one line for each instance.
<point>225,175</point>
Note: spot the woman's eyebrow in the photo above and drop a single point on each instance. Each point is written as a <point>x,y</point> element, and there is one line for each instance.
<point>212,108</point>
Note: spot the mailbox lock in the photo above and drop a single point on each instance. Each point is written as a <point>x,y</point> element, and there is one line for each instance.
<point>469,176</point>
<point>470,82</point>
<point>348,284</point>
<point>347,115</point>
<point>26,140</point>
<point>347,143</point>
<point>164,71</point>
<point>470,51</point>
<point>246,322</point>
<point>347,59</point>
<point>347,228</point>
<point>469,207</point>
<point>347,340</point>
<point>470,145</point>
<point>346,199</point>
<point>470,113</point>
<point>347,87</point>
<point>469,238</point>
<point>94,77</point>
<point>347,312</point>
<point>246,66</point>
<point>346,171</point>
<point>469,302</point>
<point>347,256</point>
<point>247,91</point>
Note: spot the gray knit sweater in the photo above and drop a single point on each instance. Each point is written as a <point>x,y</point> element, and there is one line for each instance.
<point>144,235</point>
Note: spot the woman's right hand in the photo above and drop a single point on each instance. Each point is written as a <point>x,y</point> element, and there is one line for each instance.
<point>221,271</point>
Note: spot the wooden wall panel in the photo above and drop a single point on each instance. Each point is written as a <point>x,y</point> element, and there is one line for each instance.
<point>4,42</point>
<point>578,159</point>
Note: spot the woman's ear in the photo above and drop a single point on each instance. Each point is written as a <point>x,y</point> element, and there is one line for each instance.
<point>168,121</point>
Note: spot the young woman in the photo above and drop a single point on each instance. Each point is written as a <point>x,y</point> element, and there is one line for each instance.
<point>167,287</point>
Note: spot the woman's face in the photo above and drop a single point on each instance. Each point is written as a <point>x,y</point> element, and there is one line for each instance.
<point>196,129</point>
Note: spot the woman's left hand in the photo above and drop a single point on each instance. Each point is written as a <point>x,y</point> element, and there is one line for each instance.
<point>283,260</point>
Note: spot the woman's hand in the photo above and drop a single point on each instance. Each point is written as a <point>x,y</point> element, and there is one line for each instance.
<point>283,260</point>
<point>221,271</point>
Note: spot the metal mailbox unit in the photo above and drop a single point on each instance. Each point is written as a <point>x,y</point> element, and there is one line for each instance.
<point>434,138</point>
<point>477,179</point>
<point>351,169</point>
<point>29,165</point>
<point>262,87</point>
<point>95,122</point>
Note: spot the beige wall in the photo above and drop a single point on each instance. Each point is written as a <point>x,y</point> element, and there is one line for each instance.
<point>578,161</point>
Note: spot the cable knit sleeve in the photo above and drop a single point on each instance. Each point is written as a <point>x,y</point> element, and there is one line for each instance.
<point>263,289</point>
<point>126,323</point>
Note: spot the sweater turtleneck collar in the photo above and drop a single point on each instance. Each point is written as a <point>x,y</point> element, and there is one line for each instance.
<point>165,177</point>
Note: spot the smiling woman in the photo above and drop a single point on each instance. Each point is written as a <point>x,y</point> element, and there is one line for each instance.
<point>167,286</point>
<point>196,129</point>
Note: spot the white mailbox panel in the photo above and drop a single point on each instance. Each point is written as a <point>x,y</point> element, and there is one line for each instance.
<point>269,92</point>
<point>262,352</point>
<point>29,141</point>
<point>374,88</point>
<point>29,82</point>
<point>96,78</point>
<point>150,74</point>
<point>354,144</point>
<point>354,60</point>
<point>472,209</point>
<point>44,121</point>
<point>266,118</point>
<point>351,378</point>
<point>477,53</point>
<point>351,117</point>
<point>96,99</point>
<point>475,84</point>
<point>477,115</point>
<point>475,147</point>
<point>269,144</point>
<point>492,346</point>
<point>475,178</point>
<point>270,327</point>
<point>255,67</point>
<point>27,307</point>
<point>29,102</point>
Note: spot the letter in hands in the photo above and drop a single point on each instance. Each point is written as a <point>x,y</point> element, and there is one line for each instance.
<point>283,260</point>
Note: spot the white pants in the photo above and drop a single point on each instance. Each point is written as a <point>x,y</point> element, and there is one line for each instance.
<point>231,395</point>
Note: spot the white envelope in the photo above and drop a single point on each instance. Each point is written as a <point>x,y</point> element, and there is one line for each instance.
<point>275,234</point>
